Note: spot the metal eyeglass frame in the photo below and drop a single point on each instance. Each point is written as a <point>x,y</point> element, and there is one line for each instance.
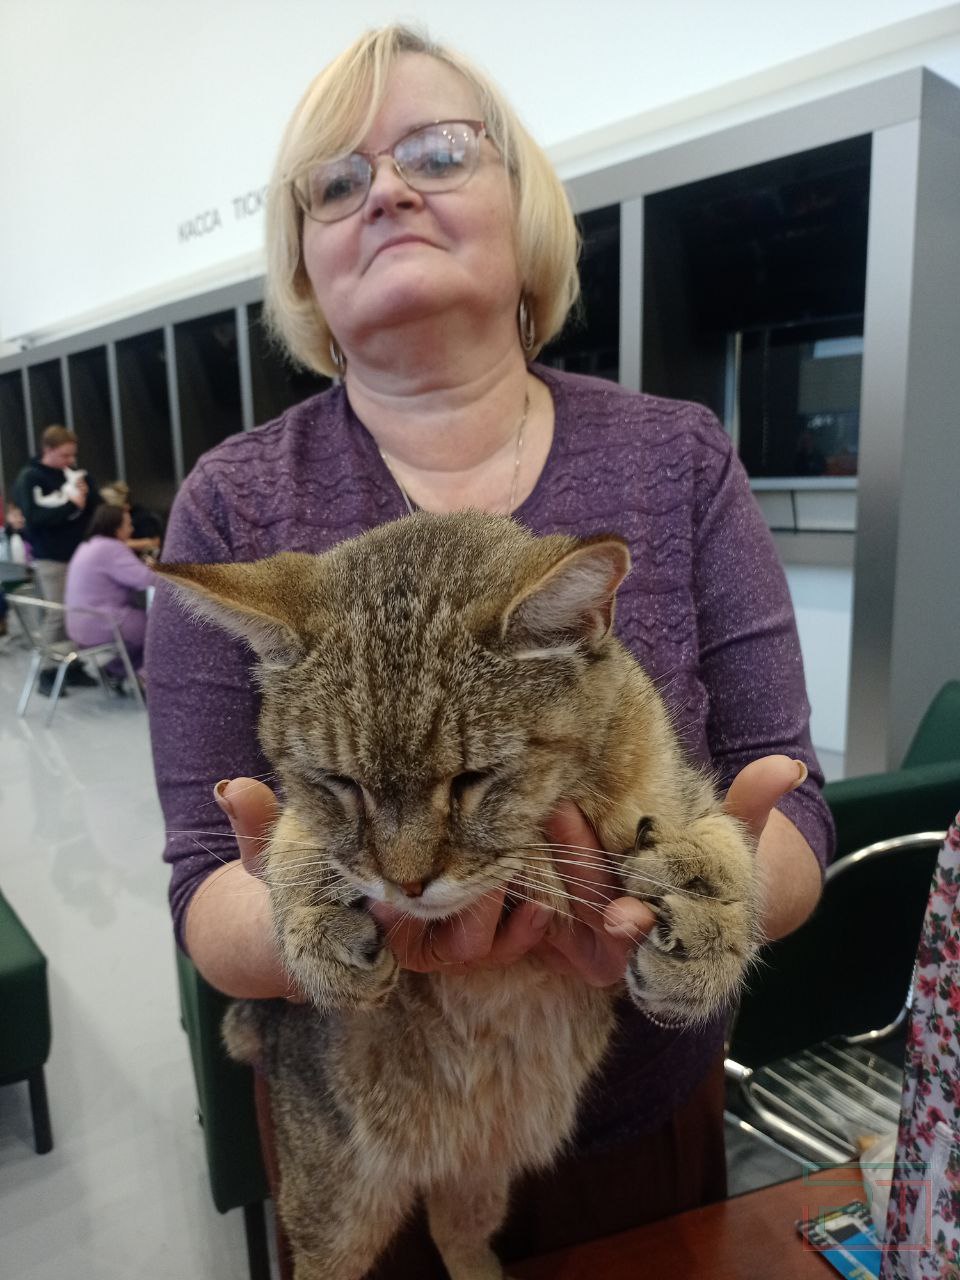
<point>479,129</point>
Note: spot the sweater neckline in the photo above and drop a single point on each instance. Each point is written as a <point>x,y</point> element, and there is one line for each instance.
<point>375,465</point>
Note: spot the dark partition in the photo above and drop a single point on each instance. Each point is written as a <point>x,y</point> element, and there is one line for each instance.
<point>14,447</point>
<point>753,301</point>
<point>208,382</point>
<point>92,415</point>
<point>145,421</point>
<point>46,396</point>
<point>590,341</point>
<point>277,382</point>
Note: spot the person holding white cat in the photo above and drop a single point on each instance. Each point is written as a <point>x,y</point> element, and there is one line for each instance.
<point>421,250</point>
<point>57,500</point>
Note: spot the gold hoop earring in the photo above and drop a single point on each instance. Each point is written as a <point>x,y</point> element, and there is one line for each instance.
<point>525,323</point>
<point>338,358</point>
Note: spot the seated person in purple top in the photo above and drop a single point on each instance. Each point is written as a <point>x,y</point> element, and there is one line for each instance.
<point>104,574</point>
<point>429,296</point>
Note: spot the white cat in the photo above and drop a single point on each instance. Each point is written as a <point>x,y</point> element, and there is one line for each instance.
<point>69,491</point>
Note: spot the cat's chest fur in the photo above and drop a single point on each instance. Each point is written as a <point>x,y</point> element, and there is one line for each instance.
<point>485,1066</point>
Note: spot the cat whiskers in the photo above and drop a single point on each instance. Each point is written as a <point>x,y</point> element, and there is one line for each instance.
<point>595,861</point>
<point>549,892</point>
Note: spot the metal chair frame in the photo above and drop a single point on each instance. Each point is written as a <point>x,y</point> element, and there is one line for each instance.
<point>811,1102</point>
<point>62,653</point>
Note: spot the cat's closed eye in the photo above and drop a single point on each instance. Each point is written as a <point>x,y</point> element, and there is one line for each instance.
<point>467,788</point>
<point>342,786</point>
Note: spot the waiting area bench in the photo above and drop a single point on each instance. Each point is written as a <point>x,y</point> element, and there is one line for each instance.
<point>24,1018</point>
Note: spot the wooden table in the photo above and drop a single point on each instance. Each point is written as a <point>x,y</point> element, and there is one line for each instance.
<point>749,1237</point>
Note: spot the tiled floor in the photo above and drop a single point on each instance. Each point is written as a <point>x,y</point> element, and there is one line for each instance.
<point>123,1193</point>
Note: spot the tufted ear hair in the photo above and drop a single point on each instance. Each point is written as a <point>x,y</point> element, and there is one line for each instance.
<point>570,606</point>
<point>268,603</point>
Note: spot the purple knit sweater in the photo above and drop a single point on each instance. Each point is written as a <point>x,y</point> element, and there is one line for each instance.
<point>705,609</point>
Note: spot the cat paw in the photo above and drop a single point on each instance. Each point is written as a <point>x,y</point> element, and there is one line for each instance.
<point>338,955</point>
<point>699,882</point>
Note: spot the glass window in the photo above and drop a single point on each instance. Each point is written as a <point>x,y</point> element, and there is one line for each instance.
<point>208,383</point>
<point>14,449</point>
<point>278,383</point>
<point>753,302</point>
<point>145,419</point>
<point>590,340</point>
<point>92,415</point>
<point>46,396</point>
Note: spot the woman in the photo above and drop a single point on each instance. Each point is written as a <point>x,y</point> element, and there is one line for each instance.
<point>103,574</point>
<point>426,265</point>
<point>147,527</point>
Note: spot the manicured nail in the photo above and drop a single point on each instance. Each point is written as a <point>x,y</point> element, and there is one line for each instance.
<point>540,917</point>
<point>221,799</point>
<point>619,925</point>
<point>802,770</point>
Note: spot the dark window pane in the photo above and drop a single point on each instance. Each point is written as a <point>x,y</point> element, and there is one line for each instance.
<point>799,399</point>
<point>145,418</point>
<point>208,382</point>
<point>277,383</point>
<point>14,450</point>
<point>90,400</point>
<point>46,396</point>
<point>751,280</point>
<point>590,340</point>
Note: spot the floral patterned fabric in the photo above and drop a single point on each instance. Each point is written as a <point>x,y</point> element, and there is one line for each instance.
<point>923,1220</point>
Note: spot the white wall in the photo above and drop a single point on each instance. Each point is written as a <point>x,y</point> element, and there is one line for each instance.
<point>124,120</point>
<point>823,601</point>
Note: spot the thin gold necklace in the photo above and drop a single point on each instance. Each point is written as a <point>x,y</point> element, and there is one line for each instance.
<point>511,502</point>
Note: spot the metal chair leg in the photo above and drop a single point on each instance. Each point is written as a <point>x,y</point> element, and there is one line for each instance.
<point>258,1255</point>
<point>40,1110</point>
<point>103,682</point>
<point>131,674</point>
<point>33,675</point>
<point>55,691</point>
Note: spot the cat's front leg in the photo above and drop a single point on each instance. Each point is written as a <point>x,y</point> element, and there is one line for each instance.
<point>337,954</point>
<point>700,881</point>
<point>332,947</point>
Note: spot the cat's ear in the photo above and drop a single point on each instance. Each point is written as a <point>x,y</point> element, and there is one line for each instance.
<point>571,604</point>
<point>265,602</point>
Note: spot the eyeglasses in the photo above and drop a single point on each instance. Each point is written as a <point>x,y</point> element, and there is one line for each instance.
<point>434,157</point>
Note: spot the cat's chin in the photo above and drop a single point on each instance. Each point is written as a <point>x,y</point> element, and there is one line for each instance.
<point>436,903</point>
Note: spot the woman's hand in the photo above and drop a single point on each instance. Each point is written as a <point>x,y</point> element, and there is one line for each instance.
<point>229,930</point>
<point>602,926</point>
<point>252,809</point>
<point>579,941</point>
<point>592,941</point>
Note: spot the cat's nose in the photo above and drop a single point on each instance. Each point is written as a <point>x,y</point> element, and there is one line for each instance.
<point>412,888</point>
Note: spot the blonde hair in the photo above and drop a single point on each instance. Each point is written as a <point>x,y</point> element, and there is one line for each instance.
<point>332,118</point>
<point>116,493</point>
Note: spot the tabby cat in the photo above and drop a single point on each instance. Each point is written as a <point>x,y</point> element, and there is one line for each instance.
<point>431,689</point>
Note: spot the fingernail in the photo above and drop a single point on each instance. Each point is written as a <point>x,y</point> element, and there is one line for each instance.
<point>540,917</point>
<point>620,926</point>
<point>624,930</point>
<point>221,799</point>
<point>802,771</point>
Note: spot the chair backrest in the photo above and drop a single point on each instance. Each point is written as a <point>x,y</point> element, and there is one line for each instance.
<point>224,1096</point>
<point>938,736</point>
<point>847,970</point>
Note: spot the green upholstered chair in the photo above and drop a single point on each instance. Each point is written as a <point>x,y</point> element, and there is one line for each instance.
<point>24,1018</point>
<point>922,795</point>
<point>816,1047</point>
<point>227,1113</point>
